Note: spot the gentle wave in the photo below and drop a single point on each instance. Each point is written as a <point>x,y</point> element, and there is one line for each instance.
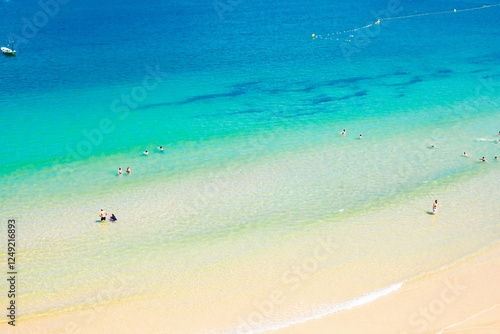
<point>334,308</point>
<point>486,139</point>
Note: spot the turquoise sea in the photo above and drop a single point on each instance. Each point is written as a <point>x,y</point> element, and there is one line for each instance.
<point>249,109</point>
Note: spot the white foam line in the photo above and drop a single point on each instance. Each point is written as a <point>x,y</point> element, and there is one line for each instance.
<point>469,318</point>
<point>365,299</point>
<point>486,139</point>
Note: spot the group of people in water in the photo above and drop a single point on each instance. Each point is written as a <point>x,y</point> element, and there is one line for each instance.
<point>120,171</point>
<point>483,159</point>
<point>159,148</point>
<point>344,132</point>
<point>435,204</point>
<point>103,215</point>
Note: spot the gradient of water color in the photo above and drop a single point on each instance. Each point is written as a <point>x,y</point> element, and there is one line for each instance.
<point>254,173</point>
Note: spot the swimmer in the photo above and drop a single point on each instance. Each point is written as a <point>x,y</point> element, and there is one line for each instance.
<point>465,154</point>
<point>128,170</point>
<point>432,146</point>
<point>120,172</point>
<point>145,152</point>
<point>483,160</point>
<point>343,132</point>
<point>360,136</point>
<point>435,207</point>
<point>160,148</point>
<point>103,215</point>
<point>496,158</point>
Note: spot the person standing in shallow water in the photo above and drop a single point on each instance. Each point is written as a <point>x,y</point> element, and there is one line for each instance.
<point>103,215</point>
<point>435,207</point>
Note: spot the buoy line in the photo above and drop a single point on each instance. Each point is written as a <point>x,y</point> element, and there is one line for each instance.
<point>314,36</point>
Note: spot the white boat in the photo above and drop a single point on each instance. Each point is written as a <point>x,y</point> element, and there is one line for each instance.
<point>7,51</point>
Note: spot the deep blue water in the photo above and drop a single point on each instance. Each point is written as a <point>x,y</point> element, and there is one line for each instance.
<point>245,67</point>
<point>91,43</point>
<point>243,90</point>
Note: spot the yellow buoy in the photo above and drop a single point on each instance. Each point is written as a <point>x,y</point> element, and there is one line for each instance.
<point>313,36</point>
<point>455,10</point>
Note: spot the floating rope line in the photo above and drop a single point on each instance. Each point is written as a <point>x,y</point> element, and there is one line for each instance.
<point>397,18</point>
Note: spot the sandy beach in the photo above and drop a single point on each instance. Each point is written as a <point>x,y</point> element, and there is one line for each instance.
<point>457,297</point>
<point>463,298</point>
<point>295,186</point>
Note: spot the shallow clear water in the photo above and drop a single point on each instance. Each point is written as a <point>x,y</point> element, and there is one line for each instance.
<point>254,171</point>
